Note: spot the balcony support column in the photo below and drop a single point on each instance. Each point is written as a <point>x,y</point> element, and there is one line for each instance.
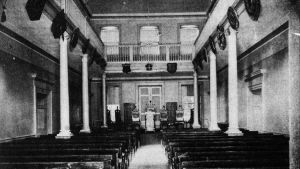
<point>196,118</point>
<point>233,129</point>
<point>85,95</point>
<point>213,93</point>
<point>65,132</point>
<point>104,99</point>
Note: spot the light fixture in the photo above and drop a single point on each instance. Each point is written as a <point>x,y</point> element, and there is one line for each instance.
<point>297,34</point>
<point>3,16</point>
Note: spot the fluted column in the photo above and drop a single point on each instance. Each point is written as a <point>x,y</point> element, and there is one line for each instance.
<point>104,99</point>
<point>65,132</point>
<point>213,93</point>
<point>196,118</point>
<point>85,95</point>
<point>233,128</point>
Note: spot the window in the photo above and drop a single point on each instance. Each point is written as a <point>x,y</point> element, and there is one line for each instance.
<point>110,36</point>
<point>188,35</point>
<point>149,38</point>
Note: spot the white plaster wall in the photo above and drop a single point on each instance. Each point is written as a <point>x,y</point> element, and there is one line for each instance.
<point>129,27</point>
<point>17,63</point>
<point>171,91</point>
<point>276,93</point>
<point>242,101</point>
<point>222,94</point>
<point>272,116</point>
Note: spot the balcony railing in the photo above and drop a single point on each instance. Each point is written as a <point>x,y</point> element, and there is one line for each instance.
<point>149,53</point>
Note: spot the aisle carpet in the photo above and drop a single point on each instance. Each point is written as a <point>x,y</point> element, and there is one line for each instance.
<point>149,157</point>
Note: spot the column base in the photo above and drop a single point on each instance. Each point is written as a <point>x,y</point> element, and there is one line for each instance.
<point>234,132</point>
<point>64,134</point>
<point>85,131</point>
<point>104,126</point>
<point>214,128</point>
<point>196,126</point>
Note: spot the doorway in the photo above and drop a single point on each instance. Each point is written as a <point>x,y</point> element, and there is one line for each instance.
<point>43,108</point>
<point>147,94</point>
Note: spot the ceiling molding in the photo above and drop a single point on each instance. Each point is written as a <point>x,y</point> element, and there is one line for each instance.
<point>145,15</point>
<point>200,78</point>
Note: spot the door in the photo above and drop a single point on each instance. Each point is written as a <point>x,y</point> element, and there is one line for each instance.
<point>41,113</point>
<point>147,94</point>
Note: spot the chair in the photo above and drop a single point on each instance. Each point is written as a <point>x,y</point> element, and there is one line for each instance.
<point>136,121</point>
<point>163,118</point>
<point>179,117</point>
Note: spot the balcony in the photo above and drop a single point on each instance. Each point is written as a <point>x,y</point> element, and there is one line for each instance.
<point>149,53</point>
<point>157,55</point>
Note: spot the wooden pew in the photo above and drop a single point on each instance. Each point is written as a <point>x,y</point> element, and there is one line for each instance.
<point>202,149</point>
<point>107,149</point>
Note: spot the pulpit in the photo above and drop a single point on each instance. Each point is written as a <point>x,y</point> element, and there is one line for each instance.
<point>149,116</point>
<point>150,120</point>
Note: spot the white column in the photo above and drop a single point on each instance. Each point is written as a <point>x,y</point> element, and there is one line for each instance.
<point>233,128</point>
<point>196,118</point>
<point>213,93</point>
<point>34,75</point>
<point>65,132</point>
<point>104,99</point>
<point>85,95</point>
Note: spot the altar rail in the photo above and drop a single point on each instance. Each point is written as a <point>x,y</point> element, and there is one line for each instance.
<point>149,53</point>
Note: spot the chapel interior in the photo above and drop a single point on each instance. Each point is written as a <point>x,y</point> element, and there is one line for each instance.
<point>149,84</point>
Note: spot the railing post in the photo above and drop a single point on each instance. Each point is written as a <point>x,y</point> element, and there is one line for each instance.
<point>167,53</point>
<point>131,53</point>
<point>105,53</point>
<point>193,52</point>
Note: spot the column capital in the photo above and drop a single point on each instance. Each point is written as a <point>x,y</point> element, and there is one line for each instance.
<point>229,30</point>
<point>104,75</point>
<point>195,73</point>
<point>33,75</point>
<point>66,35</point>
<point>212,55</point>
<point>84,57</point>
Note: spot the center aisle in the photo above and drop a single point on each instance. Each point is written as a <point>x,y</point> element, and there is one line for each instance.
<point>149,157</point>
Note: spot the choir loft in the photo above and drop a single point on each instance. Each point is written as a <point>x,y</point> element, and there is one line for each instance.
<point>149,84</point>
